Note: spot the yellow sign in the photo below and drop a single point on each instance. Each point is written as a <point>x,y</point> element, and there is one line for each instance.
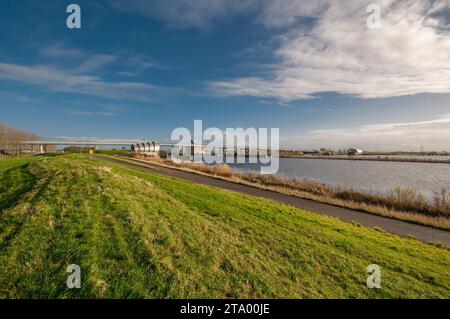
<point>91,152</point>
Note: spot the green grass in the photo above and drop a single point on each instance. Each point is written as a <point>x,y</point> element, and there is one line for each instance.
<point>11,162</point>
<point>113,152</point>
<point>145,236</point>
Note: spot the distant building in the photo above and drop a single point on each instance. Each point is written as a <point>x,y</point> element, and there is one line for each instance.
<point>354,151</point>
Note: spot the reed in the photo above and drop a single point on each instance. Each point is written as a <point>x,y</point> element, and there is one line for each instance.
<point>401,203</point>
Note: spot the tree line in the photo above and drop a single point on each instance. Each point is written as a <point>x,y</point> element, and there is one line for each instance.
<point>11,141</point>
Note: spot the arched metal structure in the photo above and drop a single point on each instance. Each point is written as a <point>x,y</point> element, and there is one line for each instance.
<point>147,148</point>
<point>135,148</point>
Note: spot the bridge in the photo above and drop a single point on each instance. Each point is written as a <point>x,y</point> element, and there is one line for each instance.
<point>89,143</point>
<point>142,146</point>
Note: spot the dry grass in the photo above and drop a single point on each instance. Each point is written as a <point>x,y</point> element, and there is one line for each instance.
<point>404,204</point>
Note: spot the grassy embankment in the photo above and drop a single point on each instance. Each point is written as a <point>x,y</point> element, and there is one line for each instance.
<point>403,204</point>
<point>141,235</point>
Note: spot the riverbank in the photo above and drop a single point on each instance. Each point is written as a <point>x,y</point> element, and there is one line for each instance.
<point>137,234</point>
<point>402,204</point>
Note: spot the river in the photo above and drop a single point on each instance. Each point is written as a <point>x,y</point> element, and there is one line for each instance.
<point>379,177</point>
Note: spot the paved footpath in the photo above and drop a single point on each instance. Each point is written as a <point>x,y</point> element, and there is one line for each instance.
<point>394,226</point>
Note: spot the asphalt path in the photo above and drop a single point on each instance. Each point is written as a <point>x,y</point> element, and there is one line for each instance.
<point>390,225</point>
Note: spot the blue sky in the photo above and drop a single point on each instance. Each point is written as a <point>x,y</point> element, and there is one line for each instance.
<point>139,69</point>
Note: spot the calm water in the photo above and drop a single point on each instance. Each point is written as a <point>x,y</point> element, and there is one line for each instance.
<point>368,176</point>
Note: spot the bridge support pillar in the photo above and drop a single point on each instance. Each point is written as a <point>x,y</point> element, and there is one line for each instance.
<point>41,149</point>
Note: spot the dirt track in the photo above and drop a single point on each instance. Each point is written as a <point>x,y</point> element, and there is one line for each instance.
<point>398,227</point>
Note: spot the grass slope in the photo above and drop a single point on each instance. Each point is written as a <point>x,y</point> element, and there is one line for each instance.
<point>141,235</point>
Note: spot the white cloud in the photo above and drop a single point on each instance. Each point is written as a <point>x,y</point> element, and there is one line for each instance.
<point>331,51</point>
<point>61,80</point>
<point>430,134</point>
<point>410,54</point>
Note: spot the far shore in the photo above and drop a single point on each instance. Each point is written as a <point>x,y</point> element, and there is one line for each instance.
<point>366,158</point>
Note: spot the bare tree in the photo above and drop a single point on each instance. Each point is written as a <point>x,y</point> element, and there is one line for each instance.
<point>11,140</point>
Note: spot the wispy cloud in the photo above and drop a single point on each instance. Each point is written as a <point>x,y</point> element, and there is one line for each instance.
<point>138,65</point>
<point>5,95</point>
<point>116,107</point>
<point>203,14</point>
<point>198,14</point>
<point>63,80</point>
<point>75,71</point>
<point>94,62</point>
<point>86,113</point>
<point>130,74</point>
<point>430,134</point>
<point>87,63</point>
<point>60,50</point>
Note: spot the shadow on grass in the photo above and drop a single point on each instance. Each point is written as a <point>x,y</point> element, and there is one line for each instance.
<point>14,184</point>
<point>19,181</point>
